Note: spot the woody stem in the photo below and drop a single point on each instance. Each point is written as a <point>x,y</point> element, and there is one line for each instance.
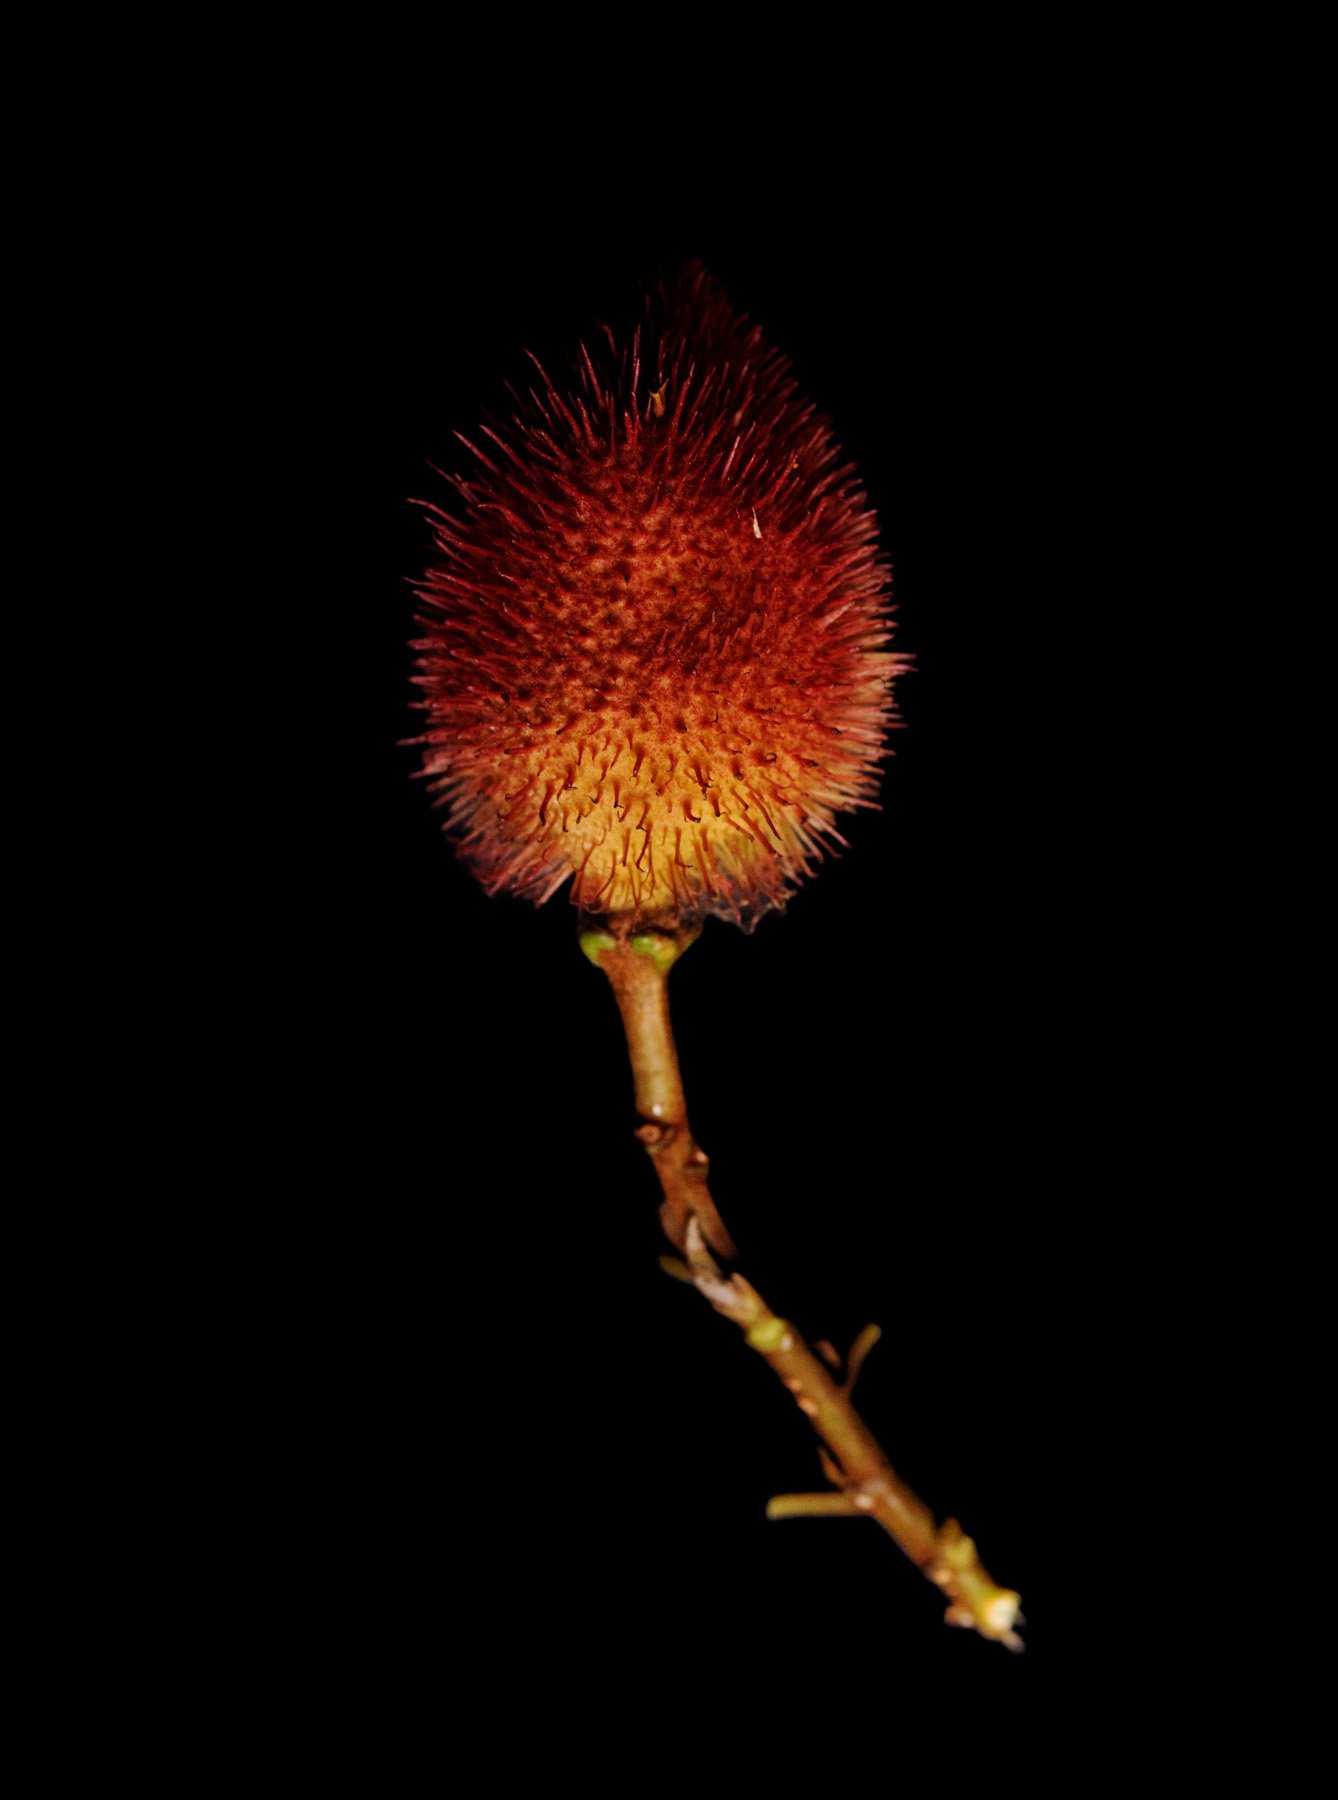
<point>637,959</point>
<point>637,963</point>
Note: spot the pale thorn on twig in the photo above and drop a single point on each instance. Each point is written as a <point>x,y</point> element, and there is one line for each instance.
<point>700,1259</point>
<point>809,1506</point>
<point>732,1296</point>
<point>829,1468</point>
<point>858,1351</point>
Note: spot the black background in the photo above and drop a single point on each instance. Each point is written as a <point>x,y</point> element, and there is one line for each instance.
<point>512,1436</point>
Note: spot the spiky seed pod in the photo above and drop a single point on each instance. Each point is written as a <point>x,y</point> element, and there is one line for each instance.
<point>653,639</point>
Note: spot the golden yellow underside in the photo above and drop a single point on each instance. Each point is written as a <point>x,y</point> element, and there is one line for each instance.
<point>649,828</point>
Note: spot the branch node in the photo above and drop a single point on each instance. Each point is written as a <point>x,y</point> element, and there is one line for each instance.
<point>769,1333</point>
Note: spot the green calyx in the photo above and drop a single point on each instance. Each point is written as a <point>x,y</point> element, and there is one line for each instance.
<point>663,948</point>
<point>662,951</point>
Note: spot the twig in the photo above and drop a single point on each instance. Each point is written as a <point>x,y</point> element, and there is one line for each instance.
<point>637,962</point>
